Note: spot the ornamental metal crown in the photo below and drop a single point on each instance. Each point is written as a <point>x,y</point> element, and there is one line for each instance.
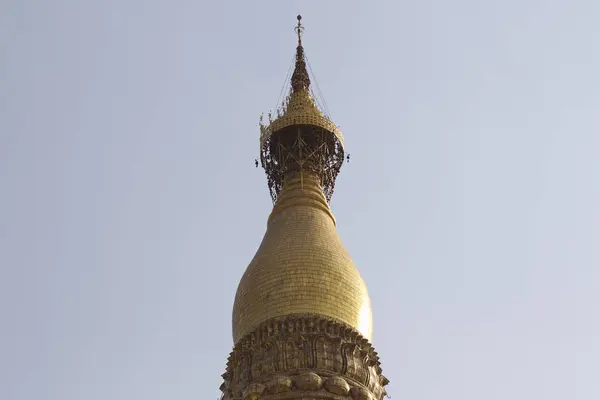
<point>300,138</point>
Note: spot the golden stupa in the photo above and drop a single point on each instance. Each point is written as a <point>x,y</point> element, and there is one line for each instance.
<point>302,320</point>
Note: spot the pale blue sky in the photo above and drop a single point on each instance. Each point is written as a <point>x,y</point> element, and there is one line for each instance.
<point>130,205</point>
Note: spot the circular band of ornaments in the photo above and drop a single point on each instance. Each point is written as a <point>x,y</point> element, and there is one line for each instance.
<point>337,385</point>
<point>360,393</point>
<point>308,381</point>
<point>253,391</point>
<point>279,384</point>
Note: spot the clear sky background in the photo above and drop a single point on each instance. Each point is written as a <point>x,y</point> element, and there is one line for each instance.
<point>130,205</point>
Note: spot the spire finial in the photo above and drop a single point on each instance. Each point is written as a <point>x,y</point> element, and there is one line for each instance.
<point>316,145</point>
<point>300,78</point>
<point>299,29</point>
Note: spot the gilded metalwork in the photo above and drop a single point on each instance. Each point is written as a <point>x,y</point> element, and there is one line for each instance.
<point>300,137</point>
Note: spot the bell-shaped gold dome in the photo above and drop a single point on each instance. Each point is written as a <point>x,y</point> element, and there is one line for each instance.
<point>301,266</point>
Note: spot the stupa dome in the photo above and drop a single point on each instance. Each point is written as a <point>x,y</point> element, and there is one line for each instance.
<point>301,267</point>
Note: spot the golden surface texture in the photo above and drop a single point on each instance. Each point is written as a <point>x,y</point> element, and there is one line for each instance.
<point>301,267</point>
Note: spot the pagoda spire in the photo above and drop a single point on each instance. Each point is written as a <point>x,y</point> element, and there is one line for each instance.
<point>302,320</point>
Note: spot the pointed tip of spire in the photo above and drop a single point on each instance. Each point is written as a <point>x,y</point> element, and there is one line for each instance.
<point>299,29</point>
<point>300,78</point>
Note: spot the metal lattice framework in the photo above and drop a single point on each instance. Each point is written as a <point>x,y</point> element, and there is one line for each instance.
<point>302,149</point>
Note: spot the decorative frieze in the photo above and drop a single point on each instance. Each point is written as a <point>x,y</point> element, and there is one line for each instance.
<point>303,353</point>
